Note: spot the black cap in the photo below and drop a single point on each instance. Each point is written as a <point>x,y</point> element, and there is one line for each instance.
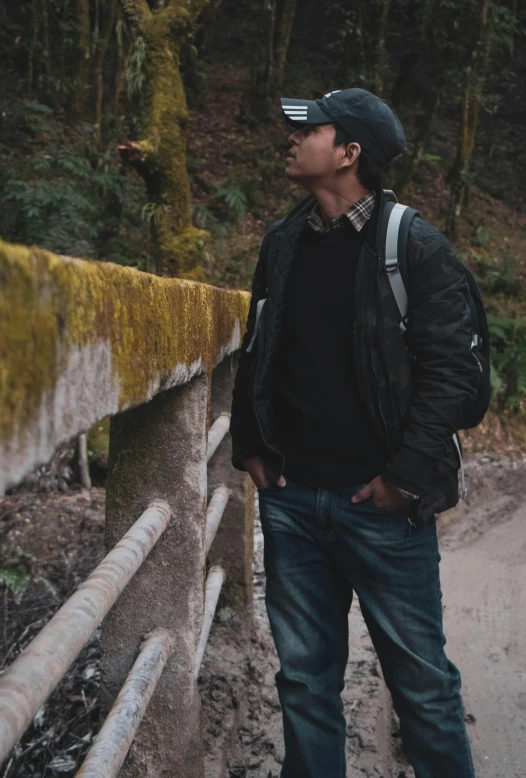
<point>367,119</point>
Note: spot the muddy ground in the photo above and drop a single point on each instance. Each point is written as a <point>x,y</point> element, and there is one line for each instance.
<point>56,539</point>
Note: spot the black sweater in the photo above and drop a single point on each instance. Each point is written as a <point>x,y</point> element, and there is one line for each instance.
<point>324,431</point>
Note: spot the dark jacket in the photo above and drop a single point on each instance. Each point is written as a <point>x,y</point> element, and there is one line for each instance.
<point>414,387</point>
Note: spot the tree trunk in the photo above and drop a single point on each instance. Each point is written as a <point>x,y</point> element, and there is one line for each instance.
<point>412,160</point>
<point>475,80</point>
<point>160,157</point>
<point>380,66</point>
<point>105,33</point>
<point>120,69</point>
<point>354,69</point>
<point>422,45</point>
<point>47,45</point>
<point>208,25</point>
<point>32,50</point>
<point>255,104</point>
<point>282,34</point>
<point>82,63</point>
<point>512,36</point>
<point>64,38</point>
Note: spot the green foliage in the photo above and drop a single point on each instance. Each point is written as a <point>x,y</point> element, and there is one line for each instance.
<point>496,278</point>
<point>481,236</point>
<point>16,574</point>
<point>229,202</point>
<point>233,194</point>
<point>136,70</point>
<point>64,193</point>
<point>52,210</point>
<point>194,75</point>
<point>152,213</point>
<point>432,160</point>
<point>26,117</point>
<point>508,361</point>
<point>205,219</point>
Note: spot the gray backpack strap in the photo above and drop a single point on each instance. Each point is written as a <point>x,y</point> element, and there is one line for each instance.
<point>392,264</point>
<point>259,308</point>
<point>393,239</point>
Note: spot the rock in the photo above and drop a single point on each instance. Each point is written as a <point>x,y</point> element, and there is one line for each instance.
<point>225,615</point>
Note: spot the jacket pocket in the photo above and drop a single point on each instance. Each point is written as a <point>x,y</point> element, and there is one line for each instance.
<point>259,309</point>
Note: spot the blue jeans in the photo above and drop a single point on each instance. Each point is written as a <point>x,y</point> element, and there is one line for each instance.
<point>319,549</point>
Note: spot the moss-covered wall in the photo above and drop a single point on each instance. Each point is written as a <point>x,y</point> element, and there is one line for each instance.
<point>81,340</point>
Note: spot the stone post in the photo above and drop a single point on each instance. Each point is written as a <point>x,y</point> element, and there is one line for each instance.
<point>233,546</point>
<point>158,450</point>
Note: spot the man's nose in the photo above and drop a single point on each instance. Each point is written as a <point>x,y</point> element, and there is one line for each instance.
<point>293,137</point>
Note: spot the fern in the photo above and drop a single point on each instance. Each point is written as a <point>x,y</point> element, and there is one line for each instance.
<point>508,349</point>
<point>136,72</point>
<point>232,194</point>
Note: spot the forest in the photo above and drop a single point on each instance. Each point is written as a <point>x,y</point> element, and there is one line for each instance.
<point>149,134</point>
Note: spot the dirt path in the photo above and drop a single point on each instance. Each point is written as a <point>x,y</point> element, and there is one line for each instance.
<point>484,588</point>
<point>483,545</point>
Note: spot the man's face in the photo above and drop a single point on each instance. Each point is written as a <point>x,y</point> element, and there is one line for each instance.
<point>312,157</point>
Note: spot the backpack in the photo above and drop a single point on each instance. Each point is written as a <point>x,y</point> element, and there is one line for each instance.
<point>393,236</point>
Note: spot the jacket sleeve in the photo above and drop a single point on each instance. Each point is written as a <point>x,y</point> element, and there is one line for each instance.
<point>447,373</point>
<point>246,438</point>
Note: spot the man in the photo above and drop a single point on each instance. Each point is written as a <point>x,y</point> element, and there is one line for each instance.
<point>346,429</point>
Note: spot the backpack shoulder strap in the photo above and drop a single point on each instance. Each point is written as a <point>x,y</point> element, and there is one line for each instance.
<point>395,228</point>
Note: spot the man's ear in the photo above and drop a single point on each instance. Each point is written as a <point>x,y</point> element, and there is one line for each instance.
<point>352,152</point>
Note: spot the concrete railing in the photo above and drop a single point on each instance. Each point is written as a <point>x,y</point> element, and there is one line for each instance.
<point>80,341</point>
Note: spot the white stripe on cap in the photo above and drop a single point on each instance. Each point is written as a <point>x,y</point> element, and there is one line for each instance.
<point>295,110</point>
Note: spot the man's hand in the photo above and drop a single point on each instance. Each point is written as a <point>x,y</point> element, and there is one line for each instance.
<point>384,497</point>
<point>256,470</point>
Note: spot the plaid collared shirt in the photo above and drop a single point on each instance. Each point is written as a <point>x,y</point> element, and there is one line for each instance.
<point>358,214</point>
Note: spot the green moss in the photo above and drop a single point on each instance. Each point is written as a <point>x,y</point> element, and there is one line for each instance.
<point>99,439</point>
<point>179,246</point>
<point>51,304</point>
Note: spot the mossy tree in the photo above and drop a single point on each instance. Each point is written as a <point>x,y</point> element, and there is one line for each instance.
<point>160,154</point>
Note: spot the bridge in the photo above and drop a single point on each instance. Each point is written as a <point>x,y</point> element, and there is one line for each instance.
<point>80,341</point>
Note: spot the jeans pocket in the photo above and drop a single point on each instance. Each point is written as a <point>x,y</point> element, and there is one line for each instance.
<point>272,486</point>
<point>402,511</point>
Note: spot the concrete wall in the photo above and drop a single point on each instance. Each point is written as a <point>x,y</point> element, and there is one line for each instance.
<point>233,547</point>
<point>82,340</point>
<point>159,450</point>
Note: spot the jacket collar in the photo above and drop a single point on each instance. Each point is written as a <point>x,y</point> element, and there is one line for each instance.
<point>296,220</point>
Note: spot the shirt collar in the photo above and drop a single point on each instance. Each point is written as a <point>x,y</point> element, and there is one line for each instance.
<point>358,214</point>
